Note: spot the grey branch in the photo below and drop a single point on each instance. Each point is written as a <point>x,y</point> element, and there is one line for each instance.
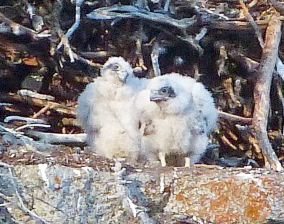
<point>262,91</point>
<point>125,11</point>
<point>53,138</point>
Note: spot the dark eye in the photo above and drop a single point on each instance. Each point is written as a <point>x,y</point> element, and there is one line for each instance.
<point>164,90</point>
<point>116,67</point>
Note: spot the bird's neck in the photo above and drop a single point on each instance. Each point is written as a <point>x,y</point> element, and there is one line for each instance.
<point>173,106</point>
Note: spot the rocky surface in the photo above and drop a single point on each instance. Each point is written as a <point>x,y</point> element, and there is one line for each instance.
<point>53,193</point>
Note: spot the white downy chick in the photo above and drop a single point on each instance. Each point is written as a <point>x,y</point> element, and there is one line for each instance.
<point>177,115</point>
<point>107,112</point>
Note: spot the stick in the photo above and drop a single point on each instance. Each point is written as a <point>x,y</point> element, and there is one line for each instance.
<point>236,118</point>
<point>29,93</point>
<point>54,138</point>
<point>155,59</point>
<point>26,119</point>
<point>278,6</point>
<point>253,23</point>
<point>7,26</point>
<point>127,11</point>
<point>262,91</point>
<point>15,98</point>
<point>139,47</point>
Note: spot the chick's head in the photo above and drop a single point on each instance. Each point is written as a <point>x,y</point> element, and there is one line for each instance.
<point>168,93</point>
<point>161,90</point>
<point>116,69</point>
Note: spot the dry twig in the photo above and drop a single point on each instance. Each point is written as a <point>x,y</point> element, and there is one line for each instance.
<point>236,118</point>
<point>253,23</point>
<point>7,26</point>
<point>54,138</point>
<point>155,59</point>
<point>12,98</point>
<point>26,119</point>
<point>278,6</point>
<point>127,11</point>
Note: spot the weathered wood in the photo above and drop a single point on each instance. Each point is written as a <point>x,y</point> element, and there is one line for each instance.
<point>10,27</point>
<point>54,138</point>
<point>252,23</point>
<point>235,25</point>
<point>127,11</point>
<point>262,91</point>
<point>31,101</point>
<point>235,118</point>
<point>244,63</point>
<point>278,6</point>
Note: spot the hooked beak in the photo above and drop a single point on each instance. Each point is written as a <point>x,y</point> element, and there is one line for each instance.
<point>156,97</point>
<point>123,77</point>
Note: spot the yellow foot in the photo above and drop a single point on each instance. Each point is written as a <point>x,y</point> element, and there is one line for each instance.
<point>162,158</point>
<point>187,162</point>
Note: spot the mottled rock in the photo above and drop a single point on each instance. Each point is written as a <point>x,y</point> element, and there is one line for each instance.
<point>61,194</point>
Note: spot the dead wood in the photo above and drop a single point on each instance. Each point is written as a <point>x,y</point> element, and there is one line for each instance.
<point>154,58</point>
<point>31,101</point>
<point>26,119</point>
<point>210,41</point>
<point>262,91</point>
<point>245,64</point>
<point>31,94</point>
<point>10,27</point>
<point>235,25</point>
<point>252,23</point>
<point>53,138</point>
<point>278,6</point>
<point>235,118</point>
<point>59,183</point>
<point>119,12</point>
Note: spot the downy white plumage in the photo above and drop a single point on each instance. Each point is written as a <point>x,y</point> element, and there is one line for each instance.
<point>107,112</point>
<point>177,115</point>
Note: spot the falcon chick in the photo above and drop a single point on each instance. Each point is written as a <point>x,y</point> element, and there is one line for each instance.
<point>107,112</point>
<point>177,115</point>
